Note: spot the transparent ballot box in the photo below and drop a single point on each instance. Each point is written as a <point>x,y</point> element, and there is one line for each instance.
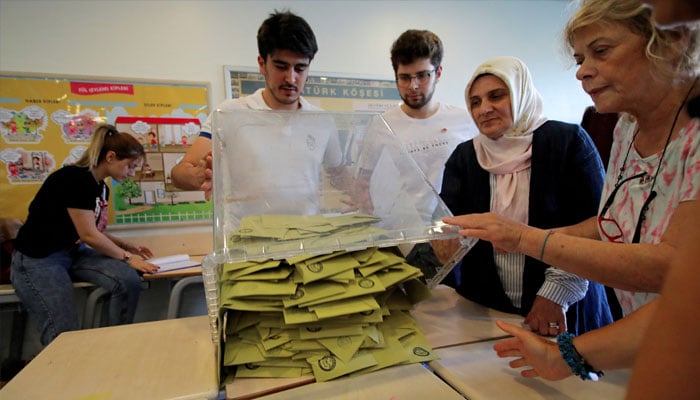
<point>296,185</point>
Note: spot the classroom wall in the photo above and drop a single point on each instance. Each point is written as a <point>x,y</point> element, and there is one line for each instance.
<point>193,40</point>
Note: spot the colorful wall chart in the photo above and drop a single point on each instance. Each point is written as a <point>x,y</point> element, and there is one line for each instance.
<point>47,121</point>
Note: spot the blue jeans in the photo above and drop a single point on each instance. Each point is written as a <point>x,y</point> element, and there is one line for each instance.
<point>45,286</point>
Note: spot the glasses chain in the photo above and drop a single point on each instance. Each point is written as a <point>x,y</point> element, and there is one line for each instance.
<point>668,140</point>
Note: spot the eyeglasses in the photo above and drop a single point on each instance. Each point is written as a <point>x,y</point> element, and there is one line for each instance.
<point>609,227</point>
<point>421,77</point>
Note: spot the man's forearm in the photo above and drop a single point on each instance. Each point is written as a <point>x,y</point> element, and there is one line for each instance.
<point>186,176</point>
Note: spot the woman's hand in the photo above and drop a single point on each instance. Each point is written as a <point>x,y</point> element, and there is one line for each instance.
<point>505,235</point>
<point>541,355</point>
<point>142,251</point>
<point>142,265</point>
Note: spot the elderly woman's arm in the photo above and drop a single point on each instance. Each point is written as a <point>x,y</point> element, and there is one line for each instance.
<point>611,347</point>
<point>637,267</point>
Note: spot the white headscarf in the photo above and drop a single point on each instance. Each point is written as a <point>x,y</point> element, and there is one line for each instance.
<point>508,157</point>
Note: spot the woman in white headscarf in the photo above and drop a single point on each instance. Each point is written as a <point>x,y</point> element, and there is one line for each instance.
<point>535,171</point>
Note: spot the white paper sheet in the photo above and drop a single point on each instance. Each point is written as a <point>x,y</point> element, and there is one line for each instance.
<point>177,261</point>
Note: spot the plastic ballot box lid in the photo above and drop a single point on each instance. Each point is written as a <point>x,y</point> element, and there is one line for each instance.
<point>287,183</point>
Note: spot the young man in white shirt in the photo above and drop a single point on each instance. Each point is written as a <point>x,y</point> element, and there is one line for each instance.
<point>286,46</point>
<point>428,129</point>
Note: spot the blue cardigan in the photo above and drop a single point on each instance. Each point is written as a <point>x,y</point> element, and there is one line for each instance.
<point>566,181</point>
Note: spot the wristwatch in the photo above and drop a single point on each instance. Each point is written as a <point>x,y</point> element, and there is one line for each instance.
<point>126,257</point>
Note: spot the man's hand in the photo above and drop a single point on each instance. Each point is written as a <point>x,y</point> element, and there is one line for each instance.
<point>546,317</point>
<point>207,175</point>
<point>445,249</point>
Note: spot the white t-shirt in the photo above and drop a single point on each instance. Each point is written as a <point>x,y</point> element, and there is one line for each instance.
<point>254,101</point>
<point>272,162</point>
<point>431,141</point>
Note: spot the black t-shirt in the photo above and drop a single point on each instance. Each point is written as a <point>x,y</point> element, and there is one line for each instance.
<point>49,227</point>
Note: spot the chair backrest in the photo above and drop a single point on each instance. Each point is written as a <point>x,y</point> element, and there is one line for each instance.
<point>600,128</point>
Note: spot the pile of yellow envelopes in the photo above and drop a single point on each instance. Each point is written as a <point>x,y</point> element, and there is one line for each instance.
<point>328,315</point>
<point>282,233</point>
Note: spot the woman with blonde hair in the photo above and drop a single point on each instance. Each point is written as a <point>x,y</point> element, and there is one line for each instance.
<point>627,64</point>
<point>63,239</point>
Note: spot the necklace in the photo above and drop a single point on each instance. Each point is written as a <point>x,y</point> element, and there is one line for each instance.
<point>668,139</point>
<point>652,192</point>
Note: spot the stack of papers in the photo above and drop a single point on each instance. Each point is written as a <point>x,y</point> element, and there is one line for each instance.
<point>280,233</point>
<point>169,263</point>
<point>326,315</point>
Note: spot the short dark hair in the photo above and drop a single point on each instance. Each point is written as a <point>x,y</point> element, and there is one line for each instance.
<point>286,31</point>
<point>415,44</point>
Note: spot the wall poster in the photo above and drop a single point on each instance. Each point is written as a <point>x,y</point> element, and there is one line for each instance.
<point>327,90</point>
<point>47,121</point>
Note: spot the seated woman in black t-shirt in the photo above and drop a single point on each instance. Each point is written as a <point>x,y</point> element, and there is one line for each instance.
<point>63,239</point>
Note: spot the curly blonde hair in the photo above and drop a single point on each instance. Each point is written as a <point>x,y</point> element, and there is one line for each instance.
<point>660,41</point>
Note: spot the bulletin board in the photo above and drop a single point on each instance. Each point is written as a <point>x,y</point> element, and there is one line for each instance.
<point>47,121</point>
<point>328,90</point>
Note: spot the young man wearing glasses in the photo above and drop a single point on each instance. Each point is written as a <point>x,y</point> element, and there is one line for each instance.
<point>429,129</point>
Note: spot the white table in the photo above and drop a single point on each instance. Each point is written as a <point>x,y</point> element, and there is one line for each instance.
<point>175,359</point>
<point>405,382</point>
<point>476,372</point>
<point>448,319</point>
<point>169,359</point>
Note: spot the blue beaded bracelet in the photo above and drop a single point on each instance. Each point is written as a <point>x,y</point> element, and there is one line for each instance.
<point>573,359</point>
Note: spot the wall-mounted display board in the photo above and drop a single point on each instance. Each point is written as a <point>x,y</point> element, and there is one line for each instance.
<point>328,90</point>
<point>47,121</point>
